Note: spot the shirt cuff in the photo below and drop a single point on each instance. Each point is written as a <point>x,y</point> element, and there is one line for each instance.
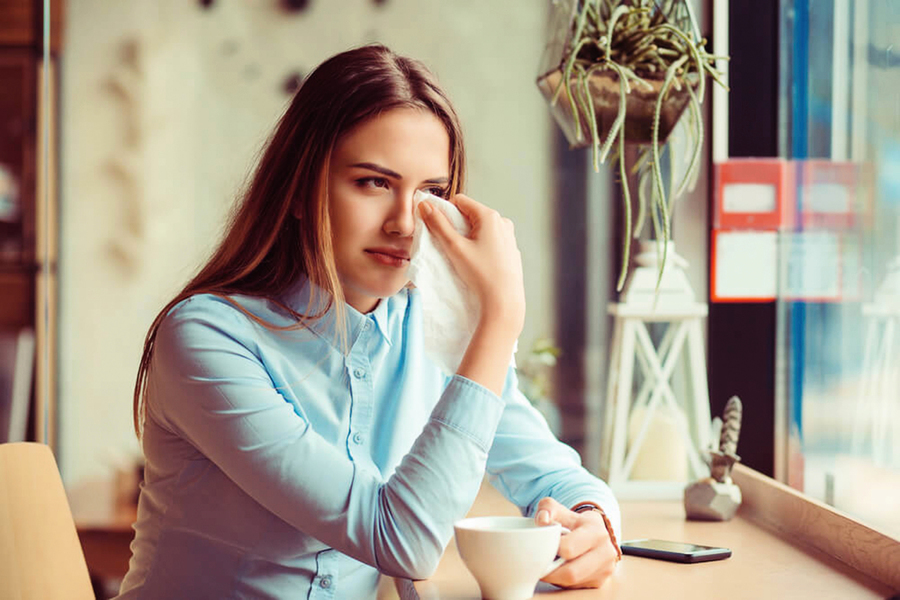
<point>471,409</point>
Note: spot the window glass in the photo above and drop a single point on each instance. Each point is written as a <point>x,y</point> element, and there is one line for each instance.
<point>839,304</point>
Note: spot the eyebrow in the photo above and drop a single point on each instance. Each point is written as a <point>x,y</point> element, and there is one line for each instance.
<point>393,174</point>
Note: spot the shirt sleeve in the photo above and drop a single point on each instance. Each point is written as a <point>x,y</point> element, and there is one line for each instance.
<point>527,463</point>
<point>207,385</point>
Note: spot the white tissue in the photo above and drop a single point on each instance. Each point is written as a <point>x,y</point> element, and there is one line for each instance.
<point>449,311</point>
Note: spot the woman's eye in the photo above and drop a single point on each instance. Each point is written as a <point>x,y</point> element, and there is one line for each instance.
<point>372,182</point>
<point>437,191</point>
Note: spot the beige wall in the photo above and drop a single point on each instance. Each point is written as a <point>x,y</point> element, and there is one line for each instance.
<point>164,107</point>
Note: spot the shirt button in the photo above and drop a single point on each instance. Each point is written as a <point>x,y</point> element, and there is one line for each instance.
<point>359,373</point>
<point>367,325</point>
<point>357,438</point>
<point>325,582</point>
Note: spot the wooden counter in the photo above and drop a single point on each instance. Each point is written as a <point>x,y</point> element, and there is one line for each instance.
<point>763,564</point>
<point>784,546</point>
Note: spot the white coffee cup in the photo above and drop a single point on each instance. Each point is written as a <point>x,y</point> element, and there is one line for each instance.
<point>508,555</point>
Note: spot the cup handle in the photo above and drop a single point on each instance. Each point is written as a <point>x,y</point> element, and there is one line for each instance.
<point>553,566</point>
<point>558,561</point>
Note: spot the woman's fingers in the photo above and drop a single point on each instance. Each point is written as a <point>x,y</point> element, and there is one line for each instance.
<point>589,553</point>
<point>581,539</point>
<point>471,209</point>
<point>551,511</point>
<point>571,572</point>
<point>487,259</point>
<point>590,570</point>
<point>439,225</point>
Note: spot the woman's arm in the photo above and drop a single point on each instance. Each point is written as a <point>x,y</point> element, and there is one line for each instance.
<point>208,386</point>
<point>544,477</point>
<point>527,463</point>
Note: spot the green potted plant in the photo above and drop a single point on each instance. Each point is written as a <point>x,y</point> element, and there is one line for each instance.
<point>621,72</point>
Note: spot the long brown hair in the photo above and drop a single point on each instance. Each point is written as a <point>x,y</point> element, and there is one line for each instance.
<point>280,229</point>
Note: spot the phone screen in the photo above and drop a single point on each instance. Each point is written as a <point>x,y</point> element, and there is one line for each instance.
<point>674,551</point>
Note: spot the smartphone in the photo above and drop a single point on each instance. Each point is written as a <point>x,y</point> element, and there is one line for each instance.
<point>674,551</point>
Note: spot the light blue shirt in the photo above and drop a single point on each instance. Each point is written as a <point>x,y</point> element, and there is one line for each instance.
<point>279,467</point>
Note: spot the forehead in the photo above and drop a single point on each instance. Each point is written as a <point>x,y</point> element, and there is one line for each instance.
<point>402,138</point>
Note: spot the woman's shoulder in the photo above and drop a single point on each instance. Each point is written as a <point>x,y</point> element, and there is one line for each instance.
<point>231,315</point>
<point>204,307</point>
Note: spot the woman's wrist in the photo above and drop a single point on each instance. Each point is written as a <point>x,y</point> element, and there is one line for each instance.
<point>488,356</point>
<point>586,506</point>
<point>502,321</point>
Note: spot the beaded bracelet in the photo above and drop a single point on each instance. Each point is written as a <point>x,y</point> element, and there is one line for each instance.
<point>579,508</point>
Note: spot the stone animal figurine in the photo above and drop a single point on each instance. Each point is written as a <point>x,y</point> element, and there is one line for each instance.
<point>717,498</point>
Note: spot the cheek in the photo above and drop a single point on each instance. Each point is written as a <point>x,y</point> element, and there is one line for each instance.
<point>353,223</point>
<point>341,212</point>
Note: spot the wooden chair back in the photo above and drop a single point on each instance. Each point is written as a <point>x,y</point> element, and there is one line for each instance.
<point>40,555</point>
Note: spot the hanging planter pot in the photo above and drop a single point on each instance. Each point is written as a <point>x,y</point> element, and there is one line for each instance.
<point>640,107</point>
<point>619,72</point>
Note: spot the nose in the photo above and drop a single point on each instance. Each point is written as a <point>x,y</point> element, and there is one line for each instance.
<point>401,220</point>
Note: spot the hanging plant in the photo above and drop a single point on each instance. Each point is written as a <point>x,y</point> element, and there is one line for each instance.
<point>624,71</point>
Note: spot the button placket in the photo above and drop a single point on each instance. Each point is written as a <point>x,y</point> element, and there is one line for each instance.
<point>325,581</point>
<point>362,399</point>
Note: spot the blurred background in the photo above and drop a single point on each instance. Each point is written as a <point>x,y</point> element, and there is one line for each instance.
<point>128,130</point>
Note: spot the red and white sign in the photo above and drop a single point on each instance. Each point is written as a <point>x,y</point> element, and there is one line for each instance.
<point>754,193</point>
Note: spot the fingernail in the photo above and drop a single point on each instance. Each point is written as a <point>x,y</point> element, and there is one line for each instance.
<point>543,517</point>
<point>426,208</point>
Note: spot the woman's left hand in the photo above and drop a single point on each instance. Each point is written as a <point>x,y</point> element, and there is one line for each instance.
<point>590,555</point>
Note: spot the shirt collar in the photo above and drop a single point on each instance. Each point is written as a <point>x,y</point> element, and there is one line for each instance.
<point>382,316</point>
<point>306,297</point>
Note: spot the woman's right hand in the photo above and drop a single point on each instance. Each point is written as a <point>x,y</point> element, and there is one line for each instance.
<point>488,260</point>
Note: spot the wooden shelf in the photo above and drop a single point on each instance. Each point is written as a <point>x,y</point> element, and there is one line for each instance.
<point>27,112</point>
<point>23,21</point>
<point>17,290</point>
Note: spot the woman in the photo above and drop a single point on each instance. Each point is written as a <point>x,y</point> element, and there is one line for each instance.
<point>297,440</point>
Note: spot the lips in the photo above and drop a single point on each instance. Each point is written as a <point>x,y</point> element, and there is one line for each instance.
<point>395,258</point>
<point>397,253</point>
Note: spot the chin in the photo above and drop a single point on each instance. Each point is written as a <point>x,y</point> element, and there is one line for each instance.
<point>384,289</point>
<point>388,291</point>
